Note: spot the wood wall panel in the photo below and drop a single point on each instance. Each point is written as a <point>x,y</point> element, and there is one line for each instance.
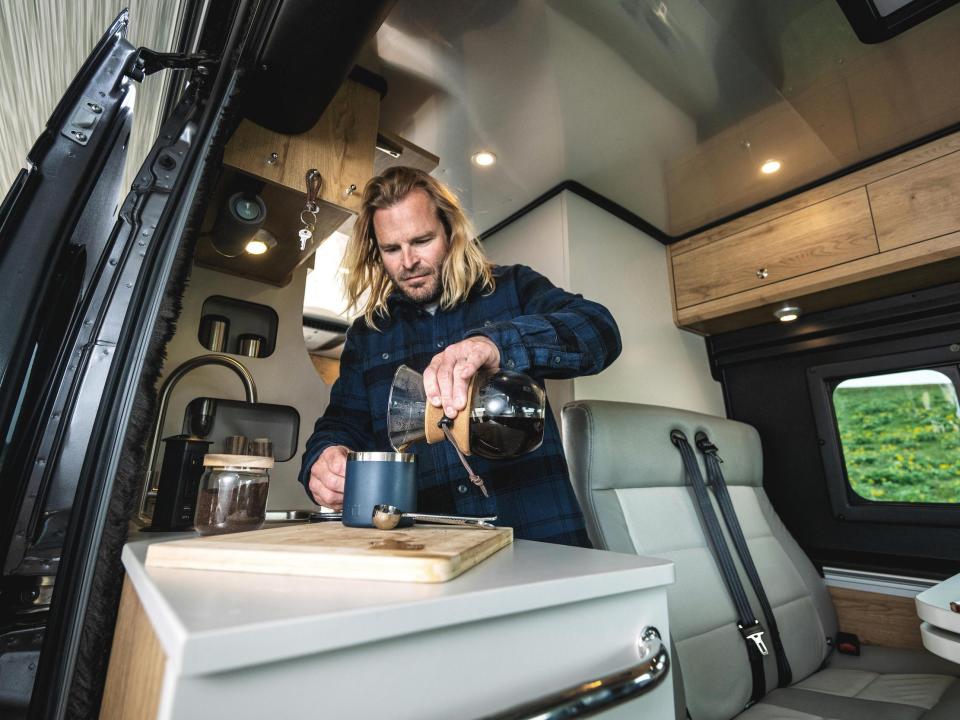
<point>877,619</point>
<point>341,146</point>
<point>137,664</point>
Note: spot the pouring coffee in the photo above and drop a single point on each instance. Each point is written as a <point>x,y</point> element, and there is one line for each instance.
<point>503,419</point>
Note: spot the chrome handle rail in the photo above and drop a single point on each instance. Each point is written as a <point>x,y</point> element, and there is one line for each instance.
<point>594,696</point>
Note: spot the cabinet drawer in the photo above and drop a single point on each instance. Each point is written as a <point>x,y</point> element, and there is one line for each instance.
<point>829,233</point>
<point>917,204</point>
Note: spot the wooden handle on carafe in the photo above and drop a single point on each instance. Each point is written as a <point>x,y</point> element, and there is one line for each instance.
<point>461,423</point>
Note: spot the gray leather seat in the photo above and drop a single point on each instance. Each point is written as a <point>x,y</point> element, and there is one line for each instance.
<point>631,484</point>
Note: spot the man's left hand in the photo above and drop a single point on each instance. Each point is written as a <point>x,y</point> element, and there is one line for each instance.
<point>447,377</point>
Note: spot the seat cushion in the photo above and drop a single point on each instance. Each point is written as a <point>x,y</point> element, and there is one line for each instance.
<point>879,684</point>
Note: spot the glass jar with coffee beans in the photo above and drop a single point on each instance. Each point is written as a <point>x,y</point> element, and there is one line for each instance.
<point>233,493</point>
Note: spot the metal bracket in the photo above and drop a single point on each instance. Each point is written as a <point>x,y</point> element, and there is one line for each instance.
<point>83,121</point>
<point>147,61</point>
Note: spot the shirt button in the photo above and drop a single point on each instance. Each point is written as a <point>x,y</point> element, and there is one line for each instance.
<point>439,343</point>
<point>556,360</point>
<point>386,356</point>
<point>510,363</point>
<point>487,323</point>
<point>463,489</point>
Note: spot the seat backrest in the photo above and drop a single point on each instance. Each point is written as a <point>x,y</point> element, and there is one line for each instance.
<point>631,484</point>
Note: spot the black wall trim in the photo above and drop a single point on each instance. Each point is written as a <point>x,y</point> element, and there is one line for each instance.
<point>638,222</point>
<point>589,195</point>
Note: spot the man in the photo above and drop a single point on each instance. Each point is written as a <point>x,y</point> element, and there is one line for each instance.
<point>432,301</point>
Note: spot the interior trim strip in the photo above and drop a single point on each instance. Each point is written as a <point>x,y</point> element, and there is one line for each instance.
<point>899,585</point>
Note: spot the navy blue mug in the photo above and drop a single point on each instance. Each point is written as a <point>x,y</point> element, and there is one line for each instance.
<point>378,478</point>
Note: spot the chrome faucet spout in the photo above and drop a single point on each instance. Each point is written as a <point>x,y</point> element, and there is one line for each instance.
<point>249,387</point>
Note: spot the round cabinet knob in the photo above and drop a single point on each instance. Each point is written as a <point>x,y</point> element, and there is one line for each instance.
<point>762,273</point>
<point>273,159</point>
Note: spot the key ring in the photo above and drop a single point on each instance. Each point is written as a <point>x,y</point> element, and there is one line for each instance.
<point>314,183</point>
<point>308,216</point>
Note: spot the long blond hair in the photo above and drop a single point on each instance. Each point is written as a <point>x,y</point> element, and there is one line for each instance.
<point>464,266</point>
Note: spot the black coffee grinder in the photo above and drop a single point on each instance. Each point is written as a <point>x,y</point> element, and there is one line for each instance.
<point>179,483</point>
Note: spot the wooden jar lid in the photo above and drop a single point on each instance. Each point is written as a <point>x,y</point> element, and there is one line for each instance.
<point>248,461</point>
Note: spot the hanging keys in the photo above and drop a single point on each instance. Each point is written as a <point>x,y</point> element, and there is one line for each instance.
<point>308,216</point>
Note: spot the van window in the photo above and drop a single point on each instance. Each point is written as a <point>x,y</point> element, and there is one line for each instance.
<point>900,436</point>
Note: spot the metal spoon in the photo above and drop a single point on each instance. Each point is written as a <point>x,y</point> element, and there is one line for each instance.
<point>387,517</point>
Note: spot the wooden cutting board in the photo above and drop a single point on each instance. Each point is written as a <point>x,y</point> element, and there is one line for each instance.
<point>417,554</point>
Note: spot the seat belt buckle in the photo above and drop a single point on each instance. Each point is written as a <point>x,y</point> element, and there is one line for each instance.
<point>755,633</point>
<point>848,644</point>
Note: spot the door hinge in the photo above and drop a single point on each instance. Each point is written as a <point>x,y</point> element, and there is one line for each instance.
<point>147,61</point>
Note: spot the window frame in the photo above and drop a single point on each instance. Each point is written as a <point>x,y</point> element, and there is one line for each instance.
<point>846,504</point>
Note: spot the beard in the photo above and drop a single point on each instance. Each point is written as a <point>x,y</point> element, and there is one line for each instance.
<point>426,287</point>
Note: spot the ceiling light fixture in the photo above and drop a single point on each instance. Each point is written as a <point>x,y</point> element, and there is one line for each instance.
<point>770,167</point>
<point>262,241</point>
<point>787,313</point>
<point>484,158</point>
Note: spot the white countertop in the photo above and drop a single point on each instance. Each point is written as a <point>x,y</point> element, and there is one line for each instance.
<point>933,605</point>
<point>940,629</point>
<point>213,621</point>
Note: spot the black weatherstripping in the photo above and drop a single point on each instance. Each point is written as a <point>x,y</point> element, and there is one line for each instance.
<point>124,302</point>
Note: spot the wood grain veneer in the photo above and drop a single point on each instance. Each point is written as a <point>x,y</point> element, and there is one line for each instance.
<point>917,204</point>
<point>137,664</point>
<point>826,234</point>
<point>341,146</point>
<point>878,619</point>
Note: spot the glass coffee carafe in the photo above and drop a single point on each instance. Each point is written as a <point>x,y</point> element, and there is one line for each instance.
<point>503,419</point>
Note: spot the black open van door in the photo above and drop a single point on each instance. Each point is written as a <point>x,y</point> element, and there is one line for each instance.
<point>82,278</point>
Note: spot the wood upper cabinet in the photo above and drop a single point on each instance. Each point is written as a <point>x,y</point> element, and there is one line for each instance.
<point>828,233</point>
<point>888,228</point>
<point>341,146</point>
<point>917,204</point>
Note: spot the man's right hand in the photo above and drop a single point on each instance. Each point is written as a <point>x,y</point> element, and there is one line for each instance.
<point>326,477</point>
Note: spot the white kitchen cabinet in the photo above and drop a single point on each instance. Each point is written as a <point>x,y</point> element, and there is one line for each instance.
<point>531,620</point>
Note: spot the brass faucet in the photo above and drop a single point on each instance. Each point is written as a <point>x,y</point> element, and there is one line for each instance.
<point>249,386</point>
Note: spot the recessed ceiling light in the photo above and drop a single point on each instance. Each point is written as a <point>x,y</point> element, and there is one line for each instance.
<point>484,158</point>
<point>770,167</point>
<point>787,313</point>
<point>262,241</point>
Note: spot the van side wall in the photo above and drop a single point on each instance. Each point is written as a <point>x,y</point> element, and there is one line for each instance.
<point>584,249</point>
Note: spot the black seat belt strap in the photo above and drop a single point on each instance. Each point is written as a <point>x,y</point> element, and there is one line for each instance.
<point>750,627</point>
<point>715,477</point>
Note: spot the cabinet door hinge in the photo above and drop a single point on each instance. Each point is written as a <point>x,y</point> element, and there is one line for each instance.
<point>147,61</point>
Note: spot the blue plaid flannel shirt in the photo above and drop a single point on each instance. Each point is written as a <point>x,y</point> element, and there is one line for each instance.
<point>542,331</point>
